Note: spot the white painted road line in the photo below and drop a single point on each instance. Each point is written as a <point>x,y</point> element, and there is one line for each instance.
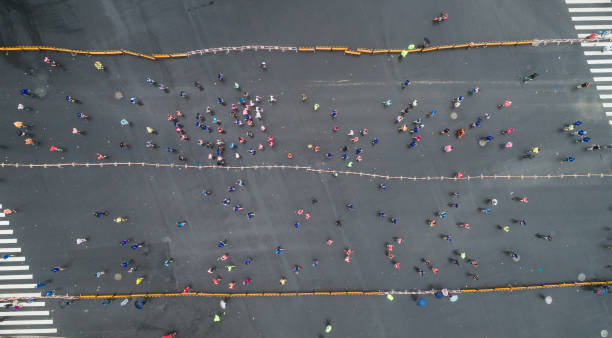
<point>605,96</point>
<point>12,259</point>
<point>10,249</point>
<point>6,232</point>
<point>27,331</point>
<point>602,79</point>
<point>25,304</point>
<point>609,113</point>
<point>17,286</point>
<point>596,52</point>
<point>609,121</point>
<point>8,240</point>
<point>607,105</point>
<point>15,268</point>
<point>591,18</point>
<point>23,313</point>
<point>587,1</point>
<point>603,87</point>
<point>590,9</point>
<point>20,295</point>
<point>4,222</point>
<point>27,322</point>
<point>2,214</point>
<point>11,277</point>
<point>599,62</point>
<point>593,27</point>
<point>593,70</point>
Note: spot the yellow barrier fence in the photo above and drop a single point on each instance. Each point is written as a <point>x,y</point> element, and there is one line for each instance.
<point>343,49</point>
<point>338,293</point>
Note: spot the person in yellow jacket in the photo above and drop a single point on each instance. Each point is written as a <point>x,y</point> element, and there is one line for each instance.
<point>20,125</point>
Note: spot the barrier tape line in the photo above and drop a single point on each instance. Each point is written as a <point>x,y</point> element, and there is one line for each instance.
<point>315,293</point>
<point>304,49</point>
<point>305,168</point>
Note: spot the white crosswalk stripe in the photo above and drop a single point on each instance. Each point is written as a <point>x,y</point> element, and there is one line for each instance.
<point>20,294</point>
<point>12,259</point>
<point>11,277</point>
<point>590,9</point>
<point>599,62</point>
<point>595,16</point>
<point>27,331</point>
<point>597,53</point>
<point>570,2</point>
<point>591,18</point>
<point>593,27</point>
<point>596,44</point>
<point>25,304</point>
<point>17,286</point>
<point>26,317</point>
<point>27,322</point>
<point>23,313</point>
<point>15,268</point>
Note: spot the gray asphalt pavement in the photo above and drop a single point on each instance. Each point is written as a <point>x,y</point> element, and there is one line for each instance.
<point>55,205</point>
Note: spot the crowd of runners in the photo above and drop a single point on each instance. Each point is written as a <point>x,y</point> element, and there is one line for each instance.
<point>235,126</point>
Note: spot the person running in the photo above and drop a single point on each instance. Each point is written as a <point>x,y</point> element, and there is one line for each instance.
<point>530,77</point>
<point>464,226</point>
<point>505,104</point>
<point>584,85</point>
<point>515,256</point>
<point>546,237</point>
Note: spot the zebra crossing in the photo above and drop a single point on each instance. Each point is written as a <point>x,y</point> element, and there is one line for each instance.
<point>15,281</point>
<point>592,16</point>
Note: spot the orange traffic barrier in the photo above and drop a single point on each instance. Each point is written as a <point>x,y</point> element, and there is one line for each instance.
<point>306,49</point>
<point>139,54</point>
<point>162,56</point>
<point>352,52</point>
<point>323,48</point>
<point>363,50</point>
<point>339,49</point>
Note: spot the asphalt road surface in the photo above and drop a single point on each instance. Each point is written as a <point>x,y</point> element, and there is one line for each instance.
<point>55,205</point>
